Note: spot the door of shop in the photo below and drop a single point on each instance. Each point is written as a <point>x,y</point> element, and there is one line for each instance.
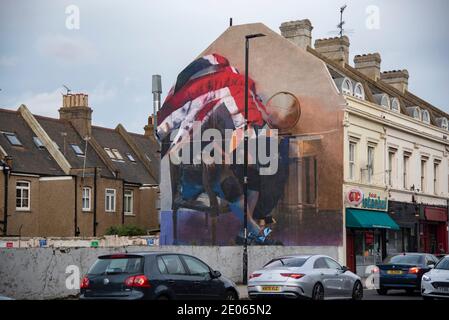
<point>368,248</point>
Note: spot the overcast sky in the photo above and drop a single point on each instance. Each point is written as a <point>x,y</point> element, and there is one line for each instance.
<point>120,44</point>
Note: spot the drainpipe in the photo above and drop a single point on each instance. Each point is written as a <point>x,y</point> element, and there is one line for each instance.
<point>95,203</point>
<point>6,171</point>
<point>123,201</point>
<point>76,207</point>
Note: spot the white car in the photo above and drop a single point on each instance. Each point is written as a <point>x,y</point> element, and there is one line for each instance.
<point>435,283</point>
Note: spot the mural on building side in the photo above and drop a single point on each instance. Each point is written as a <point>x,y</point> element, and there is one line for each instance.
<point>206,194</point>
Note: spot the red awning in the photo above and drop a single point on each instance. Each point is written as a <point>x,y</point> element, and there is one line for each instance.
<point>436,214</point>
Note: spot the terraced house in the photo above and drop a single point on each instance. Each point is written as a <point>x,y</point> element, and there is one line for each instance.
<point>66,177</point>
<point>395,155</point>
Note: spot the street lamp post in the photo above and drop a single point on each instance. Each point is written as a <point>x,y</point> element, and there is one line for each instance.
<point>245,160</point>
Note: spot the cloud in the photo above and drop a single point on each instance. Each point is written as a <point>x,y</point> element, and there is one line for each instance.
<point>44,103</point>
<point>67,49</point>
<point>8,61</point>
<point>48,103</point>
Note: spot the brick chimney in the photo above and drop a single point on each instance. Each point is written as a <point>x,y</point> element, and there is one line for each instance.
<point>149,128</point>
<point>369,65</point>
<point>75,109</point>
<point>336,49</point>
<point>396,78</point>
<point>299,32</point>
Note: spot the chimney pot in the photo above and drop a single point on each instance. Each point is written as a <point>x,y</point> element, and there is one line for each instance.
<point>368,64</point>
<point>336,49</point>
<point>299,32</point>
<point>396,78</point>
<point>75,108</point>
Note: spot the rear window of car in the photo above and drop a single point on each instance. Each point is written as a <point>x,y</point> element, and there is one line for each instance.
<point>414,259</point>
<point>117,265</point>
<point>286,262</point>
<point>443,264</point>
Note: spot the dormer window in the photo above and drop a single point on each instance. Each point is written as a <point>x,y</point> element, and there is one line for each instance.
<point>382,99</point>
<point>344,85</point>
<point>12,139</point>
<point>414,112</point>
<point>442,123</point>
<point>395,105</point>
<point>425,116</point>
<point>359,93</point>
<point>77,150</point>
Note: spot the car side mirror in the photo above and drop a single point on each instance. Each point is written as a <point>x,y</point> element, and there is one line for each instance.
<point>344,269</point>
<point>215,274</point>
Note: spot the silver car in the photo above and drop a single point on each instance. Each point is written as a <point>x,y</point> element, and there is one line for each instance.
<point>316,277</point>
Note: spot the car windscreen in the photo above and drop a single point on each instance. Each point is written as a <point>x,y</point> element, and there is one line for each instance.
<point>117,265</point>
<point>443,264</point>
<point>286,262</point>
<point>412,259</point>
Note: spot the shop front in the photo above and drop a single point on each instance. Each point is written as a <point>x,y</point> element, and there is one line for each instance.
<point>433,230</point>
<point>367,223</point>
<point>407,216</point>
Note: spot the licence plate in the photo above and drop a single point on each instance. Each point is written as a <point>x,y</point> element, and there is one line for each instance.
<point>271,288</point>
<point>443,289</point>
<point>394,271</point>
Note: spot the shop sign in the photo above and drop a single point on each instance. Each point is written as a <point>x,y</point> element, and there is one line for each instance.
<point>355,196</point>
<point>366,200</point>
<point>374,201</point>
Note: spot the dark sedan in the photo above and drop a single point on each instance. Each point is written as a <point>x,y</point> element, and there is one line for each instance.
<point>404,271</point>
<point>154,275</point>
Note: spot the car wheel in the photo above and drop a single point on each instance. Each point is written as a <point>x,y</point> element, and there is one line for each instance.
<point>231,295</point>
<point>357,292</point>
<point>318,292</point>
<point>382,291</point>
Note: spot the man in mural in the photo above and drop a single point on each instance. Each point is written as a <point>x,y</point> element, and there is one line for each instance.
<point>211,92</point>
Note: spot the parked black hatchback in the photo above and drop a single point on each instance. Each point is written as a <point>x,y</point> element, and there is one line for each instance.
<point>154,275</point>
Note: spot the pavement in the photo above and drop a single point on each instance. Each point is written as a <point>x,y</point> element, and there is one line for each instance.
<point>367,294</point>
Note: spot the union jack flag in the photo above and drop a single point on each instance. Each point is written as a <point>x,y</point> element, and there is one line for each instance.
<point>208,87</point>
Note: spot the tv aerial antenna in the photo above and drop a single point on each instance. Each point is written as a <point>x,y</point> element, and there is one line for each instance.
<point>341,31</point>
<point>67,89</point>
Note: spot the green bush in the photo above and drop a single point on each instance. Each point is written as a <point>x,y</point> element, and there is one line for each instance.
<point>125,230</point>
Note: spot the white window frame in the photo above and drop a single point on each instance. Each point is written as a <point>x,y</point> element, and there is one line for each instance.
<point>117,154</point>
<point>110,200</point>
<point>77,149</point>
<point>406,170</point>
<point>22,189</point>
<point>423,166</point>
<point>89,199</point>
<point>109,153</point>
<point>351,159</point>
<point>128,196</point>
<point>360,95</point>
<point>425,116</point>
<point>370,163</point>
<point>391,166</point>
<point>395,105</point>
<point>436,176</point>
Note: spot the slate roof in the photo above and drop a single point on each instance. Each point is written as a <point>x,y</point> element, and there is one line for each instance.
<point>27,158</point>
